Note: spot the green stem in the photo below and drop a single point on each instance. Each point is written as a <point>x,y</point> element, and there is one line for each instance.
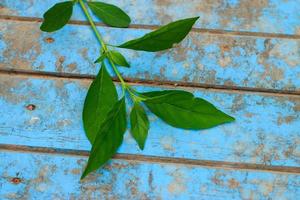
<point>87,14</point>
<point>124,85</point>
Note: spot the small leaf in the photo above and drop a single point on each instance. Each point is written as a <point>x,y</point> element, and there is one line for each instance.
<point>109,138</point>
<point>110,14</point>
<point>101,58</point>
<point>101,97</point>
<point>57,16</point>
<point>139,124</point>
<point>118,58</point>
<point>181,109</point>
<point>163,38</point>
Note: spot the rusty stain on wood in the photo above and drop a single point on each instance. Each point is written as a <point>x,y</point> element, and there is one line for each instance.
<point>242,55</point>
<point>240,15</point>
<point>265,64</point>
<point>45,177</point>
<point>231,144</point>
<point>158,159</point>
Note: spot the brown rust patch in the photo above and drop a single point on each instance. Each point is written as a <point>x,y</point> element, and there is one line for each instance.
<point>49,40</point>
<point>7,87</point>
<point>16,180</point>
<point>247,12</point>
<point>178,185</point>
<point>76,171</point>
<point>225,47</point>
<point>276,74</point>
<point>72,67</point>
<point>285,120</point>
<point>249,115</point>
<point>30,107</point>
<point>271,71</point>
<point>59,63</point>
<point>22,46</point>
<point>224,61</point>
<point>232,183</point>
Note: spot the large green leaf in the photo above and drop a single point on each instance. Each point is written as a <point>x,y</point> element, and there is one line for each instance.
<point>181,109</point>
<point>139,124</point>
<point>101,97</point>
<point>57,16</point>
<point>109,138</point>
<point>110,14</point>
<point>118,58</point>
<point>163,38</point>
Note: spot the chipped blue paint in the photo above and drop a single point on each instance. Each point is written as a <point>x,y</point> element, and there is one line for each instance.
<point>266,130</point>
<point>271,16</point>
<point>202,58</point>
<point>57,177</point>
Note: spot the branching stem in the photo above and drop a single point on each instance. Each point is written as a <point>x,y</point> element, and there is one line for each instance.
<point>104,47</point>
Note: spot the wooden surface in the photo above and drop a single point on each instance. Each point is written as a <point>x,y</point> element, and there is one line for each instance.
<point>244,56</point>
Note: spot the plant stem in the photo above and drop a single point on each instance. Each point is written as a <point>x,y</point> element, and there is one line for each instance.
<point>87,14</point>
<point>103,45</point>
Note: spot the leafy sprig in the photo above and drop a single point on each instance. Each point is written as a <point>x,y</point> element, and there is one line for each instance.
<point>104,114</point>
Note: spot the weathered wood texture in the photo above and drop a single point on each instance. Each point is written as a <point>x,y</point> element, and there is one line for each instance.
<point>248,51</point>
<point>44,176</point>
<point>265,131</point>
<point>271,16</point>
<point>232,61</point>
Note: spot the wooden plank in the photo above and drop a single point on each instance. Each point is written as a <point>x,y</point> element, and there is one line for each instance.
<point>225,61</point>
<point>266,130</point>
<point>270,16</point>
<point>40,176</point>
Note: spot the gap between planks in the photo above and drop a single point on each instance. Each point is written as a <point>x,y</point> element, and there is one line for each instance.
<point>151,27</point>
<point>158,159</point>
<point>155,83</point>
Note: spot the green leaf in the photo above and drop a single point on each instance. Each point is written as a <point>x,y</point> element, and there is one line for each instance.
<point>101,97</point>
<point>181,109</point>
<point>109,138</point>
<point>57,16</point>
<point>118,58</point>
<point>139,124</point>
<point>110,14</point>
<point>101,58</point>
<point>163,38</point>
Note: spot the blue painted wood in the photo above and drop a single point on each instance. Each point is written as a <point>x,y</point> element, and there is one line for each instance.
<point>57,177</point>
<point>263,63</point>
<point>272,16</point>
<point>266,130</point>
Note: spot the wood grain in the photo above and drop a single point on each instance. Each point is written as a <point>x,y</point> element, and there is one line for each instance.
<point>201,60</point>
<point>266,130</point>
<point>269,16</point>
<point>158,159</point>
<point>57,177</point>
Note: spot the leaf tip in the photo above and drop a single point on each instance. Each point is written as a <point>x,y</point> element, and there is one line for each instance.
<point>230,118</point>
<point>84,174</point>
<point>141,146</point>
<point>195,18</point>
